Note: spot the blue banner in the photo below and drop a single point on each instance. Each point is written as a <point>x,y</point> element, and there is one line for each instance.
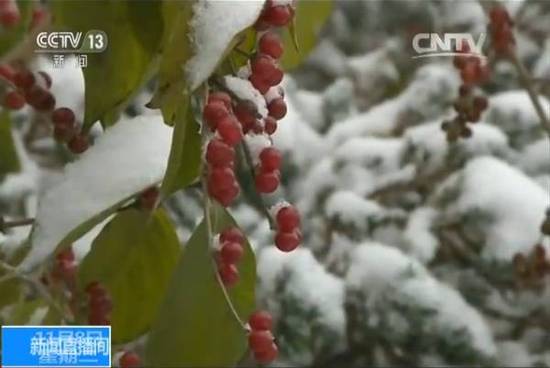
<point>56,346</point>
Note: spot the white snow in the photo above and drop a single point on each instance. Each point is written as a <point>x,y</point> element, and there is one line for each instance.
<point>382,271</point>
<point>515,203</point>
<point>350,208</point>
<point>513,111</point>
<point>244,90</point>
<point>214,25</point>
<point>421,241</point>
<point>127,158</point>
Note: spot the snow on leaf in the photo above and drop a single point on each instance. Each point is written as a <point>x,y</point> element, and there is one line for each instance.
<point>215,24</point>
<point>128,158</point>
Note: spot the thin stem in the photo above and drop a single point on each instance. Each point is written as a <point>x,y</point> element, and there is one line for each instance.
<point>15,223</point>
<point>210,235</point>
<point>248,157</point>
<point>527,83</point>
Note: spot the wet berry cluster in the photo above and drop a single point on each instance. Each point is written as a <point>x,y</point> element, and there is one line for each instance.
<point>260,338</point>
<point>500,29</point>
<point>230,253</point>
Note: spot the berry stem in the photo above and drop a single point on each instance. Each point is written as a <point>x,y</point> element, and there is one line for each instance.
<point>248,158</point>
<point>209,231</point>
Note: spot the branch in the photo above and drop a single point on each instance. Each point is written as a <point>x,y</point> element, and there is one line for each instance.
<point>4,225</point>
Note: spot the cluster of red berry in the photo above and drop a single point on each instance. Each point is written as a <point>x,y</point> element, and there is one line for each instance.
<point>260,338</point>
<point>500,28</point>
<point>531,270</point>
<point>129,360</point>
<point>28,87</point>
<point>99,303</point>
<point>473,69</point>
<point>288,235</point>
<point>229,254</point>
<point>9,13</point>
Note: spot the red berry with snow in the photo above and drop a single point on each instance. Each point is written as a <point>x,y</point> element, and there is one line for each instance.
<point>270,124</point>
<point>261,320</point>
<point>277,108</point>
<point>288,241</point>
<point>270,159</point>
<point>259,83</point>
<point>219,154</point>
<point>214,112</point>
<point>271,45</point>
<point>221,97</point>
<point>245,115</point>
<point>230,130</point>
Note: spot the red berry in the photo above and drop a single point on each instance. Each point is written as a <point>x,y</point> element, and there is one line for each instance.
<point>270,124</point>
<point>259,83</point>
<point>64,270</point>
<point>101,304</point>
<point>499,15</point>
<point>47,79</point>
<point>78,144</point>
<point>288,219</point>
<point>277,108</point>
<point>214,112</point>
<point>287,241</point>
<point>260,340</point>
<point>230,131</point>
<point>10,18</point>
<point>267,356</point>
<point>7,72</point>
<point>220,96</point>
<point>24,79</point>
<point>263,66</point>
<point>231,252</point>
<point>219,154</point>
<point>278,15</point>
<point>129,360</point>
<point>271,45</point>
<point>261,320</point>
<point>228,273</point>
<point>14,100</point>
<point>65,254</point>
<point>267,182</point>
<point>39,14</point>
<point>94,289</point>
<point>40,99</point>
<point>64,132</point>
<point>270,159</point>
<point>98,319</point>
<point>63,115</point>
<point>148,198</point>
<point>275,77</point>
<point>221,178</point>
<point>232,234</point>
<point>245,115</point>
<point>226,196</point>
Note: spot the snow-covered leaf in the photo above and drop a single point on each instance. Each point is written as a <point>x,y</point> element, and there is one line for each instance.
<point>133,257</point>
<point>215,25</point>
<point>128,158</point>
<point>195,326</point>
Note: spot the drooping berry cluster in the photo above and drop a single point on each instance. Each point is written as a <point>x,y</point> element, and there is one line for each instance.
<point>288,235</point>
<point>28,87</point>
<point>531,269</point>
<point>9,13</point>
<point>500,29</point>
<point>229,255</point>
<point>260,338</point>
<point>99,303</point>
<point>129,360</point>
<point>220,152</point>
<point>267,171</point>
<point>473,69</point>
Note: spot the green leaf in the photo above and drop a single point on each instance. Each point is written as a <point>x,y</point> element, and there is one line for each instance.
<point>10,290</point>
<point>9,161</point>
<point>185,152</point>
<point>133,256</point>
<point>310,17</point>
<point>176,50</point>
<point>9,38</point>
<point>195,326</point>
<point>134,29</point>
